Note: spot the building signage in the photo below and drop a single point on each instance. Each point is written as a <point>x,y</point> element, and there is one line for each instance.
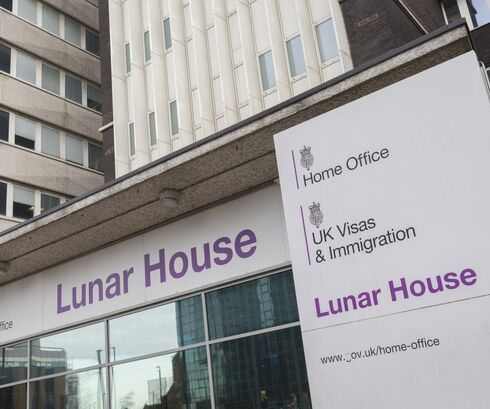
<point>387,213</point>
<point>215,246</point>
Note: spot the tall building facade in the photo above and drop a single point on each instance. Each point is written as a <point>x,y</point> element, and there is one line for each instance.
<point>50,105</point>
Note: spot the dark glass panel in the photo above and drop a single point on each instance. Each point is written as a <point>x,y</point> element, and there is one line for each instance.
<point>14,397</point>
<point>4,126</point>
<point>13,362</point>
<point>95,157</point>
<point>4,59</point>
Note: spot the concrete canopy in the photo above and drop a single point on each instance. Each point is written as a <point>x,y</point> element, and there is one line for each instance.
<point>217,168</point>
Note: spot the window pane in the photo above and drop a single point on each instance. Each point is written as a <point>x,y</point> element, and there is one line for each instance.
<point>177,381</point>
<point>95,157</point>
<point>153,129</point>
<point>452,10</point>
<point>257,304</point>
<point>73,32</point>
<point>264,371</point>
<point>6,4</point>
<point>132,146</point>
<point>83,390</point>
<point>50,141</point>
<point>73,89</point>
<point>25,132</point>
<point>174,118</point>
<point>13,362</point>
<point>51,79</point>
<point>4,126</point>
<point>147,48</point>
<point>23,203</point>
<point>157,329</point>
<point>92,42</point>
<point>94,100</point>
<point>26,68</point>
<point>167,33</point>
<point>327,43</point>
<point>14,397</point>
<point>3,199</point>
<point>4,59</point>
<point>51,20</point>
<point>28,10</point>
<point>48,202</point>
<point>74,149</point>
<point>267,71</point>
<point>295,56</point>
<point>127,53</point>
<point>75,349</point>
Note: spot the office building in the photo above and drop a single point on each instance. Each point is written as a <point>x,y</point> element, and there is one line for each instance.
<point>50,105</point>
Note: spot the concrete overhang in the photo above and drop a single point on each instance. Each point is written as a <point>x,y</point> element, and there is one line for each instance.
<point>221,166</point>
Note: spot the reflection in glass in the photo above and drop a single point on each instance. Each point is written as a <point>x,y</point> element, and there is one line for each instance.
<point>173,381</point>
<point>263,371</point>
<point>83,390</point>
<point>14,397</point>
<point>79,348</point>
<point>157,329</point>
<point>13,364</point>
<point>253,305</point>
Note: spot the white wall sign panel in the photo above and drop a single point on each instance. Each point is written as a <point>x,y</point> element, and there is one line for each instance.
<point>386,204</point>
<point>220,244</point>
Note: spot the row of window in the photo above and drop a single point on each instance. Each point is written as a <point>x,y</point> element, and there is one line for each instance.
<point>326,40</point>
<point>23,203</point>
<point>479,11</point>
<point>45,76</point>
<point>159,357</point>
<point>36,136</point>
<point>54,22</point>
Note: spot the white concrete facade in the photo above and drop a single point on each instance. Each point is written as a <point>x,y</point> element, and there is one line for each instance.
<point>184,69</point>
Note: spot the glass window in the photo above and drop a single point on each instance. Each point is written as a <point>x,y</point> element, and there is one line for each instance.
<point>263,371</point>
<point>25,132</point>
<point>132,146</point>
<point>73,32</point>
<point>14,397</point>
<point>177,381</point>
<point>6,4</point>
<point>157,329</point>
<point>48,202</point>
<point>73,89</point>
<point>174,118</point>
<point>94,99</point>
<point>28,9</point>
<point>26,68</point>
<point>258,304</point>
<point>51,79</point>
<point>92,42</point>
<point>267,71</point>
<point>74,149</point>
<point>327,43</point>
<point>23,203</point>
<point>51,20</point>
<point>147,48</point>
<point>95,157</point>
<point>4,125</point>
<point>13,361</point>
<point>83,390</point>
<point>3,204</point>
<point>127,54</point>
<point>295,56</point>
<point>4,59</point>
<point>167,33</point>
<point>451,9</point>
<point>75,349</point>
<point>153,129</point>
<point>50,141</point>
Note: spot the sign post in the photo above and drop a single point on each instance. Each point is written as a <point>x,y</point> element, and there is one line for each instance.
<point>387,210</point>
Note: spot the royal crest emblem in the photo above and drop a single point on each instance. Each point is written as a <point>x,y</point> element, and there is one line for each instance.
<point>316,215</point>
<point>306,157</point>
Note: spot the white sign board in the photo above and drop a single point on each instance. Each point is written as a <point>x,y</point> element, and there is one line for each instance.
<point>387,211</point>
<point>215,246</point>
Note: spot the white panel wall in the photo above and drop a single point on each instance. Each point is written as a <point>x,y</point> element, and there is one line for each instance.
<point>212,68</point>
